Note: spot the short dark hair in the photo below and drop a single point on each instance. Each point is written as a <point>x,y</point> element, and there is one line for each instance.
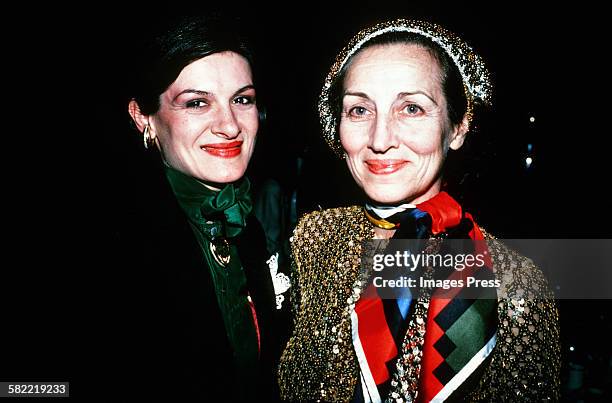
<point>452,82</point>
<point>183,41</point>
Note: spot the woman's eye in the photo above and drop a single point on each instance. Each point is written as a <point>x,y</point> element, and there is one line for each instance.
<point>413,109</point>
<point>244,100</point>
<point>196,104</point>
<point>358,111</point>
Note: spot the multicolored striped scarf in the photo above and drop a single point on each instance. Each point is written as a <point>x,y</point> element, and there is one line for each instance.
<point>460,332</point>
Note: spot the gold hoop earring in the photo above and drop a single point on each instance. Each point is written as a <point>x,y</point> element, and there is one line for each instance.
<point>148,139</point>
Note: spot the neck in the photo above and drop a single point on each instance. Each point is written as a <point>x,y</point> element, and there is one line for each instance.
<point>429,194</point>
<point>214,189</point>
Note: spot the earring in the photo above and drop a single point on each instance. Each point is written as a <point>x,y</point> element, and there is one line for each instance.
<point>148,140</point>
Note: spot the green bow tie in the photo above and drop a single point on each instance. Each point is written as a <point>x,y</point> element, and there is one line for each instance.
<point>231,205</point>
<point>235,203</point>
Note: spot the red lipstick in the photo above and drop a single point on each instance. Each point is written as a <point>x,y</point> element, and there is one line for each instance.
<point>385,167</point>
<point>224,150</point>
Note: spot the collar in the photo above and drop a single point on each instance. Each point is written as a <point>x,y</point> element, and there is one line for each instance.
<point>228,207</point>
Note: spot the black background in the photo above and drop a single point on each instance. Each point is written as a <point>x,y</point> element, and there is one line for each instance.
<point>74,165</point>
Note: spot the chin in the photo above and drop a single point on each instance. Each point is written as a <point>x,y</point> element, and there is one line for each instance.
<point>387,196</point>
<point>228,177</point>
<point>221,173</point>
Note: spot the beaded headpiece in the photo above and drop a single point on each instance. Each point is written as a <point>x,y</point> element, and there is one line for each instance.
<point>476,78</point>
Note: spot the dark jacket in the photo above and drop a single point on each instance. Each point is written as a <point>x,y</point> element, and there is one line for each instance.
<point>170,337</point>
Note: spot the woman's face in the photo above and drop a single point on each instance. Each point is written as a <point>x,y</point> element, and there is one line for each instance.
<point>207,120</point>
<point>394,124</point>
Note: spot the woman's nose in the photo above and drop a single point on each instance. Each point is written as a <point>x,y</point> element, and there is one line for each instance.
<point>225,124</point>
<point>383,136</point>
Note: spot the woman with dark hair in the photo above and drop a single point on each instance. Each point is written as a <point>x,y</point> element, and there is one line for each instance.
<point>401,96</point>
<point>205,322</point>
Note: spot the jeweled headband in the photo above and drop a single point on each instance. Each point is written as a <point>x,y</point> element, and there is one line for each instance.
<point>476,79</point>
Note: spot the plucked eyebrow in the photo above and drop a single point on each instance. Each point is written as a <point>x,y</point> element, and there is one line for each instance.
<point>243,89</point>
<point>400,95</point>
<point>404,94</point>
<point>191,91</point>
<point>206,93</point>
<point>356,94</point>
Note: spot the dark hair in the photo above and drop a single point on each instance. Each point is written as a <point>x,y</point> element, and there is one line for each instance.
<point>452,82</point>
<point>182,42</point>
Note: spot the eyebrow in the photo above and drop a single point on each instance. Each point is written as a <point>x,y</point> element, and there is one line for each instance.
<point>206,93</point>
<point>356,94</point>
<point>191,91</point>
<point>403,94</point>
<point>400,95</point>
<point>246,87</point>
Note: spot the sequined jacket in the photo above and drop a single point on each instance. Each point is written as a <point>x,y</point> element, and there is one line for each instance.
<point>319,362</point>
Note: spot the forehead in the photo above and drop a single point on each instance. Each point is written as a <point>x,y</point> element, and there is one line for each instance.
<point>394,65</point>
<point>216,70</point>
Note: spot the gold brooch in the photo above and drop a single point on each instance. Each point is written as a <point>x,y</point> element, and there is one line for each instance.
<point>220,249</point>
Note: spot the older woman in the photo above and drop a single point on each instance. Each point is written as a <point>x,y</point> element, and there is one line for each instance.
<point>399,97</point>
<point>209,315</point>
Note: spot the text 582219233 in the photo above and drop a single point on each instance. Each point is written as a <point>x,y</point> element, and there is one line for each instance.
<point>31,389</point>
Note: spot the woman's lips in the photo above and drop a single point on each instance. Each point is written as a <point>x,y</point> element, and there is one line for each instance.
<point>385,167</point>
<point>224,150</point>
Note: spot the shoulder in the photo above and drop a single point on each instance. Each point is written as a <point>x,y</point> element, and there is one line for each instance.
<point>326,221</point>
<point>331,214</point>
<point>323,235</point>
<point>519,275</point>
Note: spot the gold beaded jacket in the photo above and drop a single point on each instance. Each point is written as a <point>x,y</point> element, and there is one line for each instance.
<point>319,362</point>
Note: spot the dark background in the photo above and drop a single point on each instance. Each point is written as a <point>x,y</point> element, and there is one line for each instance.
<point>65,211</point>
